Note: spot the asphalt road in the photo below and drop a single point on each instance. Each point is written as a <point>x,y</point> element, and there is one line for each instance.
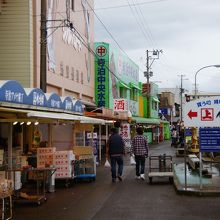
<point>127,200</point>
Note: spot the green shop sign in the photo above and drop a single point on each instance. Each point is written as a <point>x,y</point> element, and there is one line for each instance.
<point>102,74</point>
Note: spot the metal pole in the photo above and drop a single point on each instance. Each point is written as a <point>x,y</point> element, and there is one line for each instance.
<point>200,169</point>
<point>181,112</point>
<point>10,144</point>
<point>43,47</point>
<point>147,66</point>
<point>100,144</point>
<point>181,99</point>
<point>217,66</point>
<point>148,86</point>
<point>181,118</point>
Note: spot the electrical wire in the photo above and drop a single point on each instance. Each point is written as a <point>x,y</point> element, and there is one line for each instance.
<point>146,36</point>
<point>145,25</point>
<point>125,6</point>
<point>113,7</point>
<point>106,29</point>
<point>82,40</point>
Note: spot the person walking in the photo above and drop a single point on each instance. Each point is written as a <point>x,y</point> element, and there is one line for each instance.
<point>139,148</point>
<point>116,150</point>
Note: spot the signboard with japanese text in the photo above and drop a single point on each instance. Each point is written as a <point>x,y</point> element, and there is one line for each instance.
<point>120,105</point>
<point>12,92</point>
<point>204,112</point>
<point>125,132</point>
<point>102,75</point>
<point>124,68</point>
<point>209,139</point>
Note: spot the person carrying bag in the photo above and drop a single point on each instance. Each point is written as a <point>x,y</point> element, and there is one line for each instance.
<point>116,151</point>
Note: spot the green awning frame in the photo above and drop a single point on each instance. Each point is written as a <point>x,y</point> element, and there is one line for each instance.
<point>122,84</point>
<point>164,122</point>
<point>156,99</point>
<point>141,120</point>
<point>134,86</point>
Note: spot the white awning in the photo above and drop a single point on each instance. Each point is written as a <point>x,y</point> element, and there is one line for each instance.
<point>33,115</point>
<point>89,120</point>
<point>52,115</point>
<point>63,116</point>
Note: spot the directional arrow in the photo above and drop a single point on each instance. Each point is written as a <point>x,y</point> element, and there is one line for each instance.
<point>192,114</point>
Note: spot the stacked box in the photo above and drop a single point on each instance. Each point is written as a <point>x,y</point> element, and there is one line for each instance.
<point>64,164</point>
<point>45,157</point>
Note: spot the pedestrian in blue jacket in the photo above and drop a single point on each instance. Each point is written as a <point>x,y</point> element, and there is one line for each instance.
<point>116,150</point>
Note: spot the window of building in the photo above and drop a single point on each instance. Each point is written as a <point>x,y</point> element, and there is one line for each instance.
<point>73,5</point>
<point>122,92</point>
<point>81,77</point>
<point>67,71</point>
<point>77,75</point>
<point>134,94</point>
<point>72,73</point>
<point>154,105</point>
<point>61,68</point>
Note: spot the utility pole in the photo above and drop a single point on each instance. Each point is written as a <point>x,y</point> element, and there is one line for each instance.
<point>182,90</point>
<point>150,56</point>
<point>181,98</point>
<point>181,120</point>
<point>43,47</point>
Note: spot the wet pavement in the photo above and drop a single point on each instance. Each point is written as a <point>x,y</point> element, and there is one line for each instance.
<point>129,199</point>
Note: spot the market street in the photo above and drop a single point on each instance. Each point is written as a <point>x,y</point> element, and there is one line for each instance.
<point>129,199</point>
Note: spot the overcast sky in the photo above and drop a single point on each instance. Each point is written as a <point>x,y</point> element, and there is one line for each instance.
<point>188,32</point>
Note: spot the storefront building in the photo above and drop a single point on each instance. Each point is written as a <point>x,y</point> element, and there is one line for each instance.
<point>116,85</point>
<point>116,80</point>
<point>70,65</point>
<point>42,134</point>
<point>156,130</point>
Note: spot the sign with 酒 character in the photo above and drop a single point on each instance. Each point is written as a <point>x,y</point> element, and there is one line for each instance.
<point>120,105</point>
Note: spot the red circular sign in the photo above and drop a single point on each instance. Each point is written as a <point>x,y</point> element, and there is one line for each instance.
<point>101,51</point>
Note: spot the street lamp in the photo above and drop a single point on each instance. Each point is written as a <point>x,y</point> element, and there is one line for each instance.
<point>217,66</point>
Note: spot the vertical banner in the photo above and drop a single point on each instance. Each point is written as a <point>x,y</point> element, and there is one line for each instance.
<point>125,133</point>
<point>102,75</point>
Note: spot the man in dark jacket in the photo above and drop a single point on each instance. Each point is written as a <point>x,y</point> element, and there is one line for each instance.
<point>116,150</point>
